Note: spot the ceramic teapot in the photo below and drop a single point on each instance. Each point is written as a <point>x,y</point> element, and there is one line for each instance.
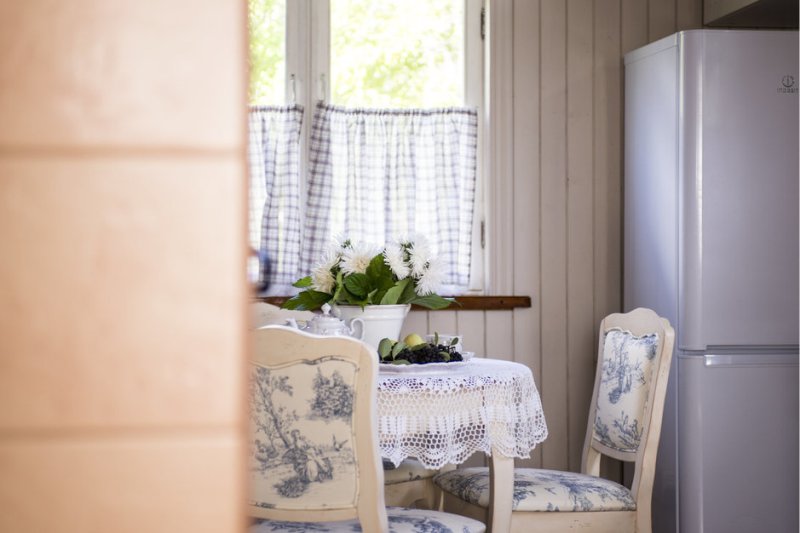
<point>326,324</point>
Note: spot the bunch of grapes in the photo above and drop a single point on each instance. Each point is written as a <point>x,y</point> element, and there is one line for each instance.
<point>399,353</point>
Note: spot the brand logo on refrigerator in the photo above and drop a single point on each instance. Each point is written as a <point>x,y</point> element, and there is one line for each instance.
<point>788,85</point>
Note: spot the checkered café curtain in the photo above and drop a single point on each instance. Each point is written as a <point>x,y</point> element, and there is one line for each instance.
<point>378,174</point>
<point>274,163</point>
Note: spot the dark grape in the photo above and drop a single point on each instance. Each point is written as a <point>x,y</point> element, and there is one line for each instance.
<point>429,353</point>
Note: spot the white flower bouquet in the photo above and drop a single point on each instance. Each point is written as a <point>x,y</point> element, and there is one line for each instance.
<point>356,273</point>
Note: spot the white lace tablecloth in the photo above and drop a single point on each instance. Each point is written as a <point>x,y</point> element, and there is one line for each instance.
<point>445,415</point>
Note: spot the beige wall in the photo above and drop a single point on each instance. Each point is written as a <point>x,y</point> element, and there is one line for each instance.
<point>567,199</point>
<point>122,295</point>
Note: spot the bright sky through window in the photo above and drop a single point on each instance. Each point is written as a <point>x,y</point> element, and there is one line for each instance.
<point>396,53</point>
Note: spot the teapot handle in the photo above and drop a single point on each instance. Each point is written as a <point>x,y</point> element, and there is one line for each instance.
<point>360,334</point>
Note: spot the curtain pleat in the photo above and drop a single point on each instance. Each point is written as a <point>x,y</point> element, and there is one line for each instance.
<point>274,161</point>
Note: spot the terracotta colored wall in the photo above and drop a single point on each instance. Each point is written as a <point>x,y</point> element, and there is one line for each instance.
<point>122,251</point>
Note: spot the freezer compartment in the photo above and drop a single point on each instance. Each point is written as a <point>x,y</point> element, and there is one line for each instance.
<point>738,442</point>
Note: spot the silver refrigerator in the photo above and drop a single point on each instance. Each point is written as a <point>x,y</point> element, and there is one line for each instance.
<point>711,243</point>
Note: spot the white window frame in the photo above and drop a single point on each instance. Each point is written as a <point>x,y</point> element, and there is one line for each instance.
<point>307,81</point>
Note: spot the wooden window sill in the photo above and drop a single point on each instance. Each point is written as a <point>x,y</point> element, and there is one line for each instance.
<point>468,303</point>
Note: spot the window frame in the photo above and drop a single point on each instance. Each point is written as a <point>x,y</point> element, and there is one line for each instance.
<point>307,79</point>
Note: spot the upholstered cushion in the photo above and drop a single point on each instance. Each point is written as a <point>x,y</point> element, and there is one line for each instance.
<point>541,490</point>
<point>627,372</point>
<point>400,521</point>
<point>409,470</point>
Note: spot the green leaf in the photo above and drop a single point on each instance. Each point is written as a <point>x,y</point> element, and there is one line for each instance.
<point>436,338</point>
<point>409,293</point>
<point>393,295</point>
<point>358,285</point>
<point>397,348</point>
<point>401,362</point>
<point>339,286</point>
<point>432,301</point>
<point>302,282</point>
<point>445,356</point>
<point>379,274</point>
<point>385,348</point>
<point>418,347</point>
<point>308,300</point>
<point>352,299</point>
<point>453,341</point>
<point>371,297</point>
<point>377,298</point>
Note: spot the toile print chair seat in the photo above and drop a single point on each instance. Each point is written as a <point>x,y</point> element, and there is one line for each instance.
<point>314,462</point>
<point>542,490</point>
<point>400,521</point>
<point>634,355</point>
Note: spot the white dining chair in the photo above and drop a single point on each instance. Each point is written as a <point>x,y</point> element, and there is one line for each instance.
<point>409,484</point>
<point>314,462</point>
<point>635,350</point>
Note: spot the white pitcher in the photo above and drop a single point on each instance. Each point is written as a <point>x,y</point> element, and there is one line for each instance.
<point>379,321</point>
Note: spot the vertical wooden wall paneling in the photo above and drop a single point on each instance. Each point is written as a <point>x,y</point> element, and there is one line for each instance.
<point>527,238</point>
<point>500,335</point>
<point>580,220</point>
<point>443,322</point>
<point>689,14</point>
<point>471,327</point>
<point>500,189</point>
<point>662,19</point>
<point>552,210</point>
<point>607,94</point>
<point>634,24</point>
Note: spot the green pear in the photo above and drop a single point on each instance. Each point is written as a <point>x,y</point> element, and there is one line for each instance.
<point>412,339</point>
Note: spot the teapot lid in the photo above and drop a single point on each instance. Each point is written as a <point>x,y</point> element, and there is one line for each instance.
<point>326,322</point>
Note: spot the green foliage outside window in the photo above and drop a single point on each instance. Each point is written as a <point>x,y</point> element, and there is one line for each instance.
<point>396,53</point>
<point>267,26</point>
<point>384,53</point>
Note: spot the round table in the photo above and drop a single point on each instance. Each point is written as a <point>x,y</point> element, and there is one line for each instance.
<point>443,413</point>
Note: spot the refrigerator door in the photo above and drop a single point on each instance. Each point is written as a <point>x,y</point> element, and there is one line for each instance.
<point>738,443</point>
<point>739,164</point>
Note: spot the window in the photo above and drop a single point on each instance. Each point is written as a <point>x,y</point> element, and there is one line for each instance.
<point>378,54</point>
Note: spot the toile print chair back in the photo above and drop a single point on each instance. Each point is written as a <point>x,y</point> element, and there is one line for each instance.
<point>634,356</point>
<point>624,423</point>
<point>313,430</point>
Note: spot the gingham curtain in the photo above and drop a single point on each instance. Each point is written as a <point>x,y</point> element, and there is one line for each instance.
<point>377,174</point>
<point>274,161</point>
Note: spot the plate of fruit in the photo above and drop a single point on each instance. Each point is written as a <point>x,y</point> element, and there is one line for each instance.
<point>407,355</point>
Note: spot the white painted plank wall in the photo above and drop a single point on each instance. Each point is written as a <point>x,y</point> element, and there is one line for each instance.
<point>566,195</point>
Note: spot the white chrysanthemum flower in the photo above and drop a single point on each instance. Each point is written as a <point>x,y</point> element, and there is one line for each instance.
<point>355,259</point>
<point>394,256</point>
<point>338,245</point>
<point>420,255</point>
<point>322,278</point>
<point>431,279</point>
